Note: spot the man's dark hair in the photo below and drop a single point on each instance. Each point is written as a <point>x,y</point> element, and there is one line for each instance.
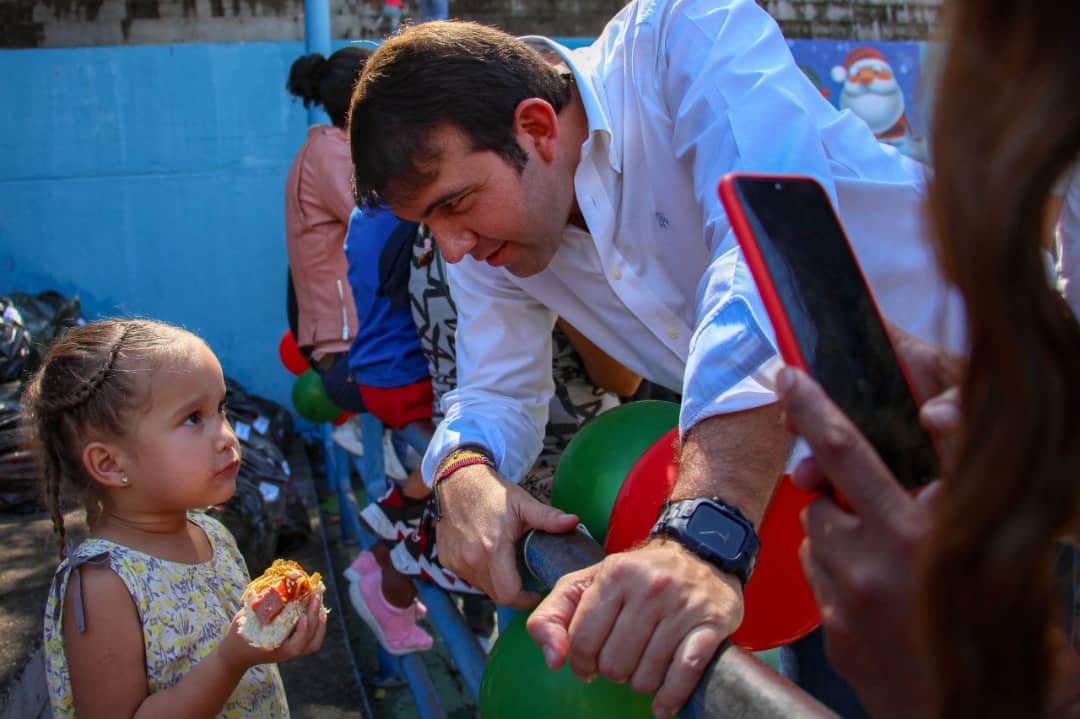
<point>439,74</point>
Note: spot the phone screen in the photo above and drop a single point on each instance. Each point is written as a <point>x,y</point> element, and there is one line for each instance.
<point>834,319</point>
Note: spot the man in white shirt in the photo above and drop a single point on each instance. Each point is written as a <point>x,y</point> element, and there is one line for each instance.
<point>585,187</point>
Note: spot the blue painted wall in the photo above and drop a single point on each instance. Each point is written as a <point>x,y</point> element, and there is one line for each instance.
<point>148,180</point>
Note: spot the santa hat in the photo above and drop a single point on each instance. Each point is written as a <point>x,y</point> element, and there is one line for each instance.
<point>840,73</point>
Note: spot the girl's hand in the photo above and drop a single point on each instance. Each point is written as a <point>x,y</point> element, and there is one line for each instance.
<point>306,638</point>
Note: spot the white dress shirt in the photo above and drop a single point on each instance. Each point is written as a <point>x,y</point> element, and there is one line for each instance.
<point>678,92</point>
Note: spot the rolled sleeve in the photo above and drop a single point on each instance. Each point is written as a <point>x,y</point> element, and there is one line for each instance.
<point>733,357</point>
<point>739,103</point>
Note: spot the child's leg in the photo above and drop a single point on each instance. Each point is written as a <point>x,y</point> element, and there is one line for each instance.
<point>386,601</point>
<point>396,587</point>
<point>397,512</point>
<point>413,487</point>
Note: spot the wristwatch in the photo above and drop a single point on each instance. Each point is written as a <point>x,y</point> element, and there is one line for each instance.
<point>716,532</point>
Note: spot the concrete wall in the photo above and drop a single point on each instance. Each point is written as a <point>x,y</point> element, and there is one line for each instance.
<point>71,23</point>
<point>856,19</point>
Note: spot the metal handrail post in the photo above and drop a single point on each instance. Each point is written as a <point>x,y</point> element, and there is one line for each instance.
<point>465,650</point>
<point>338,477</point>
<point>423,691</point>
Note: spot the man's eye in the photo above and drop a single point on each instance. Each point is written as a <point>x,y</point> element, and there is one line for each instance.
<point>455,205</point>
<point>193,418</point>
<point>222,408</point>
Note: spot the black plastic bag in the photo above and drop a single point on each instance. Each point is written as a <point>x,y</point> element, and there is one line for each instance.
<point>251,414</point>
<point>28,325</point>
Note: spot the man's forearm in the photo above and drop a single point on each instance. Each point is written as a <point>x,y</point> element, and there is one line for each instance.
<point>737,457</point>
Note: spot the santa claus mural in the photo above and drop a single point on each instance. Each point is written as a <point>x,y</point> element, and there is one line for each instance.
<point>871,91</point>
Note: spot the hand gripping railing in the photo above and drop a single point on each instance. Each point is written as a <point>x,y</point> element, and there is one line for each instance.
<point>736,685</point>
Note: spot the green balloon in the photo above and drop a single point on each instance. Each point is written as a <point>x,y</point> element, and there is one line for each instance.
<point>517,684</point>
<point>595,462</point>
<point>310,398</point>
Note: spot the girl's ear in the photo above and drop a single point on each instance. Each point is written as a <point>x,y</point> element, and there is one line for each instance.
<point>104,462</point>
<point>537,123</point>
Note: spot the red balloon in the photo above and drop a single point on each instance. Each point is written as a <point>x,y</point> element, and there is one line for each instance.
<point>647,485</point>
<point>780,606</point>
<point>342,418</point>
<point>290,355</point>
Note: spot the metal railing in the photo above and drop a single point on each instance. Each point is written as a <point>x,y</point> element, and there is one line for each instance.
<point>736,684</point>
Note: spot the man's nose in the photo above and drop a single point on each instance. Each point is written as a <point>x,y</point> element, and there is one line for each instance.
<point>454,242</point>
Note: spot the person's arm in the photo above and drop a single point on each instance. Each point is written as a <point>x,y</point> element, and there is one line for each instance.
<point>860,558</point>
<point>107,662</point>
<point>501,404</point>
<point>727,81</point>
<point>604,371</point>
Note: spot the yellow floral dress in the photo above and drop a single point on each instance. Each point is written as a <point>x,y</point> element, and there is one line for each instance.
<point>184,609</point>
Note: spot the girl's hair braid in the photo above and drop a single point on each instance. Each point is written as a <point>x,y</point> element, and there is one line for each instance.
<point>89,384</point>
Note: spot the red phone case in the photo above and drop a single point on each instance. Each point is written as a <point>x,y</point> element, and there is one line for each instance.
<point>785,337</point>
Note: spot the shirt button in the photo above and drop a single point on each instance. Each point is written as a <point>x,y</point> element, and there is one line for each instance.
<point>616,273</point>
<point>673,333</point>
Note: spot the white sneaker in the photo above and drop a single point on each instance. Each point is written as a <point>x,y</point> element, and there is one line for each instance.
<point>393,467</point>
<point>348,436</point>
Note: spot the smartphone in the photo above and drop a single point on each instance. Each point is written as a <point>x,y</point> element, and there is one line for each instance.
<point>824,314</point>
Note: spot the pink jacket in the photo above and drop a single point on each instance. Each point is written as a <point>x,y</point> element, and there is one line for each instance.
<point>318,202</point>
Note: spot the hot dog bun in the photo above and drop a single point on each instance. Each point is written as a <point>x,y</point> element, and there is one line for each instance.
<point>274,601</point>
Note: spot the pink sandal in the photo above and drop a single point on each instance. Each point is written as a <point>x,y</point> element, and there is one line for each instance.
<point>394,627</point>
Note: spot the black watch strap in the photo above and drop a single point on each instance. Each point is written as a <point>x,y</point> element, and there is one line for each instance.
<point>726,540</point>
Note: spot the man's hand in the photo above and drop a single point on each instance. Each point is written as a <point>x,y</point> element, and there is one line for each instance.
<point>483,516</point>
<point>860,561</point>
<point>653,617</point>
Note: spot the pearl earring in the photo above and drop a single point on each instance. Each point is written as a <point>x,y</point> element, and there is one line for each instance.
<point>124,479</point>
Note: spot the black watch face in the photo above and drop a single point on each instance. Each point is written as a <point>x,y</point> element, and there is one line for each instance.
<point>716,531</point>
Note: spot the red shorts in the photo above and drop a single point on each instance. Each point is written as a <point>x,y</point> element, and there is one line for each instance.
<point>397,406</point>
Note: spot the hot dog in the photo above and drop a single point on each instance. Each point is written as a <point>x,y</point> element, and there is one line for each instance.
<point>274,601</point>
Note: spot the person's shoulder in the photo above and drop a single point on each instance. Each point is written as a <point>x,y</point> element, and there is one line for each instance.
<point>218,534</point>
<point>103,595</point>
<point>327,143</point>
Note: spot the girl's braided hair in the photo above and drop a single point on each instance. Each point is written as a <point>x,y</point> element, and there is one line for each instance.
<point>89,385</point>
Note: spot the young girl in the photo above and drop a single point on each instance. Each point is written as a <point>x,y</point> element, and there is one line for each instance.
<point>142,616</point>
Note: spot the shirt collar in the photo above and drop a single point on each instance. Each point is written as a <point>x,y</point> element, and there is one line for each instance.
<point>582,63</point>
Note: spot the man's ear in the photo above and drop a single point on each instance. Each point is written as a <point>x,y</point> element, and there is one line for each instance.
<point>537,124</point>
<point>104,462</point>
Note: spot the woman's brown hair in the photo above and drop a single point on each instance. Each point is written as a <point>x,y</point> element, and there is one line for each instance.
<point>1006,127</point>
